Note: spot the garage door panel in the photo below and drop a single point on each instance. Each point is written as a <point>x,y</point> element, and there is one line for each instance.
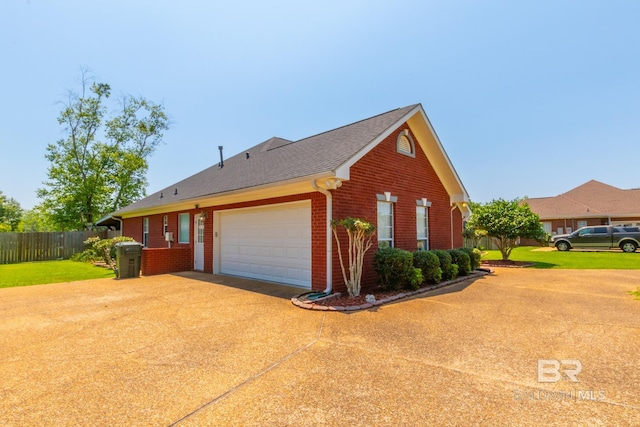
<point>269,243</point>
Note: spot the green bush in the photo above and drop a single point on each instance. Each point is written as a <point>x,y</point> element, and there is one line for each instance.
<point>453,271</point>
<point>474,256</point>
<point>395,269</point>
<point>107,249</point>
<point>462,260</point>
<point>414,279</point>
<point>429,265</point>
<point>101,250</point>
<point>446,265</point>
<point>90,252</point>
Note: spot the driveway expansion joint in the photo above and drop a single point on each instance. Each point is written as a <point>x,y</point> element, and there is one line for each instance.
<point>252,378</point>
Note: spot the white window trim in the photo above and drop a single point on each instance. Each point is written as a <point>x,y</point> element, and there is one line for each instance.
<point>145,232</point>
<point>387,197</point>
<point>390,200</point>
<point>406,134</point>
<point>426,204</point>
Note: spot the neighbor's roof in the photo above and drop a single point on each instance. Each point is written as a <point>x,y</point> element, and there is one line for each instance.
<point>592,198</point>
<point>279,160</point>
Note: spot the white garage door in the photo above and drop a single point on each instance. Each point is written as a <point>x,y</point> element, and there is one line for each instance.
<point>268,243</point>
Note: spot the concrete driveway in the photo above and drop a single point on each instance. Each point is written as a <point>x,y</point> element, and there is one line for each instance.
<point>196,349</point>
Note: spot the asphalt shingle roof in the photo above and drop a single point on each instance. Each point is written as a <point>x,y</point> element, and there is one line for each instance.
<point>276,160</point>
<point>589,199</point>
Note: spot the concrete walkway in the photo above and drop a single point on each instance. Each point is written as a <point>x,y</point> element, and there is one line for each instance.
<point>195,349</point>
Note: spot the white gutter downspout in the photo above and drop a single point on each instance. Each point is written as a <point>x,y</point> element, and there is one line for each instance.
<point>329,243</point>
<point>121,223</point>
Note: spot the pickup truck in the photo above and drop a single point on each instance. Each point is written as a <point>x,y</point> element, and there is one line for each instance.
<point>599,237</point>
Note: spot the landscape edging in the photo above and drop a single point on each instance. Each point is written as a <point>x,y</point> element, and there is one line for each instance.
<point>311,305</point>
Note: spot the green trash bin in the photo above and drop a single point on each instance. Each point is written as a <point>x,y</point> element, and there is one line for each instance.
<point>128,256</point>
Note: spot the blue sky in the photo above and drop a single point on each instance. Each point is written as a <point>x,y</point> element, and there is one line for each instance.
<point>529,98</point>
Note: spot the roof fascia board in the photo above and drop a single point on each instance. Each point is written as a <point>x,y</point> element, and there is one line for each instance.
<point>449,172</point>
<point>419,123</point>
<point>343,170</point>
<point>267,191</point>
<point>559,217</point>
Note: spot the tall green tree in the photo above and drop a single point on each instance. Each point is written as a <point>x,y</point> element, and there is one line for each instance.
<point>504,221</point>
<point>10,213</point>
<point>36,220</point>
<point>101,165</point>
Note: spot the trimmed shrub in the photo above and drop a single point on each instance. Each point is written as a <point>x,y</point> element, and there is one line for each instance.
<point>101,250</point>
<point>395,269</point>
<point>453,271</point>
<point>429,264</point>
<point>462,260</point>
<point>414,280</point>
<point>90,252</point>
<point>446,265</point>
<point>474,256</point>
<point>107,249</point>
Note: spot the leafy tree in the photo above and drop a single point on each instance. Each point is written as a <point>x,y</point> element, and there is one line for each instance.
<point>101,165</point>
<point>505,221</point>
<point>36,220</point>
<point>473,234</point>
<point>10,213</point>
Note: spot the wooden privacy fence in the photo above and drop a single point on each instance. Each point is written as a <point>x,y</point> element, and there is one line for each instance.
<point>23,247</point>
<point>484,242</point>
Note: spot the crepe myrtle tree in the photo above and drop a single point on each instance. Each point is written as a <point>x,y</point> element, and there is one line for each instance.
<point>505,221</point>
<point>359,233</point>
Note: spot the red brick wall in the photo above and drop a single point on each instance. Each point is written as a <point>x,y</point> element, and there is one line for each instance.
<point>410,179</point>
<point>166,260</point>
<point>458,240</point>
<point>132,227</point>
<point>382,169</point>
<point>573,223</point>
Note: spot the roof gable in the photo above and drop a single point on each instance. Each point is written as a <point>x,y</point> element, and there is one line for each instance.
<point>593,198</point>
<point>278,160</point>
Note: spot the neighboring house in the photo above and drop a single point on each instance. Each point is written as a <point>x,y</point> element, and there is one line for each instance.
<point>592,203</point>
<point>265,213</point>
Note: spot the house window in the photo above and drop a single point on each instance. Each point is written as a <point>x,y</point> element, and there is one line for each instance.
<point>422,226</point>
<point>165,225</point>
<point>183,228</point>
<point>582,224</point>
<point>385,225</point>
<point>145,232</point>
<point>200,229</point>
<point>405,145</point>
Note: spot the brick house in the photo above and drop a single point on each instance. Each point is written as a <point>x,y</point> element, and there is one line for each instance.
<point>265,213</point>
<point>592,203</point>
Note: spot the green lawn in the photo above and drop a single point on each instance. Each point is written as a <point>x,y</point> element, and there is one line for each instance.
<point>39,273</point>
<point>614,260</point>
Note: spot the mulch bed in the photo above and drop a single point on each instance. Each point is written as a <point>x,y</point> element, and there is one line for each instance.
<point>339,302</point>
<point>347,301</point>
<point>507,263</point>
